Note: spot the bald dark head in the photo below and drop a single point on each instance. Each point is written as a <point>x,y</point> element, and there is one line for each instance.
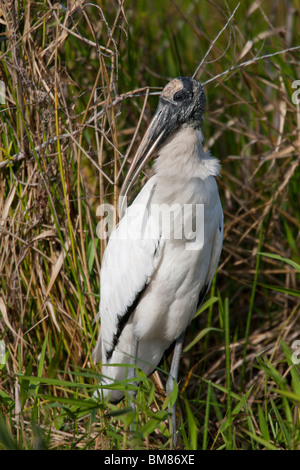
<point>185,99</point>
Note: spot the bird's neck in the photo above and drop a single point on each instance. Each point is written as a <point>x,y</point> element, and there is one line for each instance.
<point>182,158</point>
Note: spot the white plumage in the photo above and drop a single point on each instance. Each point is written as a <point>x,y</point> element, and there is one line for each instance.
<point>151,286</point>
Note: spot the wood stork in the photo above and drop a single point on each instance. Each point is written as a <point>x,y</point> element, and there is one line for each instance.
<point>151,286</point>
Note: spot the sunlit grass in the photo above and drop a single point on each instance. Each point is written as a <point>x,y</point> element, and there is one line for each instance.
<point>71,113</point>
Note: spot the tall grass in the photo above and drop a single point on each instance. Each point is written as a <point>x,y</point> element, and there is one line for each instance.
<point>81,84</point>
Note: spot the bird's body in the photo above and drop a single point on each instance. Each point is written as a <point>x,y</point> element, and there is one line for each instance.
<point>153,278</point>
<point>169,295</point>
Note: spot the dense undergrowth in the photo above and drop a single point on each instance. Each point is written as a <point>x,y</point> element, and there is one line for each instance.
<point>80,85</point>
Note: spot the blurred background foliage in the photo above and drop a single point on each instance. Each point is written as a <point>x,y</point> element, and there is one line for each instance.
<point>81,84</point>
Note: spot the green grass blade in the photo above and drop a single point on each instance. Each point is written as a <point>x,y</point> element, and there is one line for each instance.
<point>228,372</point>
<point>251,306</point>
<point>262,441</point>
<point>206,419</point>
<point>192,427</point>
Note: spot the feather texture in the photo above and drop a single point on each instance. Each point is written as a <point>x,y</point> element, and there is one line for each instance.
<point>151,280</point>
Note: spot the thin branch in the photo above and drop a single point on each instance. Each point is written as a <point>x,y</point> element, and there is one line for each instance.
<point>250,62</point>
<point>141,92</point>
<point>130,94</point>
<point>215,40</point>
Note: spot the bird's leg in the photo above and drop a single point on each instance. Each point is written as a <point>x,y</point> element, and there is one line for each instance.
<point>132,371</point>
<point>133,358</point>
<point>173,378</point>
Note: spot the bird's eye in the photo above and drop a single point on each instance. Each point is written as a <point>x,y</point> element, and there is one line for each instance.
<point>180,95</point>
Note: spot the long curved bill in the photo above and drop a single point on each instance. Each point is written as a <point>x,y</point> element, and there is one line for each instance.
<point>157,132</point>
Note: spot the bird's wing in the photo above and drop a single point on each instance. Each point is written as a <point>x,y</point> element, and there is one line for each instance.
<point>216,249</point>
<point>127,266</point>
<point>214,255</point>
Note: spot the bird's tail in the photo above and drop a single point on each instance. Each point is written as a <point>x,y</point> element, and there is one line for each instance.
<point>104,392</point>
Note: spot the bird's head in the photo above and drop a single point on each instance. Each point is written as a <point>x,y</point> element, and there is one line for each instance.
<point>181,103</point>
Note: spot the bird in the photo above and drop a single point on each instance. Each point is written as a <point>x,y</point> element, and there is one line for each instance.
<point>152,279</point>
